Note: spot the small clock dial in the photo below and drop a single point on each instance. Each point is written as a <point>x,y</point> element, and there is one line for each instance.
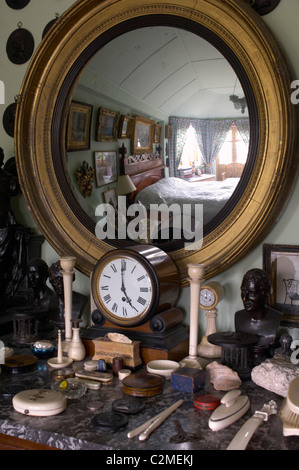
<point>210,295</point>
<point>207,297</point>
<point>125,288</point>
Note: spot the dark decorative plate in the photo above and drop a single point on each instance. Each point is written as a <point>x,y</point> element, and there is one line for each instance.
<point>20,46</point>
<point>8,119</point>
<point>110,421</point>
<point>262,7</point>
<point>49,26</point>
<point>17,4</point>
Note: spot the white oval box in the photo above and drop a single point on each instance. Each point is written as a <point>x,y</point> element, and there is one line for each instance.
<point>39,402</point>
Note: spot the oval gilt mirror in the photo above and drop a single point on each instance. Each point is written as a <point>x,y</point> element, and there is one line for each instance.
<point>234,30</point>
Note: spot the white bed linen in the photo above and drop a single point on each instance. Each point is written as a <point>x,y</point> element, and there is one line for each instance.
<point>212,194</point>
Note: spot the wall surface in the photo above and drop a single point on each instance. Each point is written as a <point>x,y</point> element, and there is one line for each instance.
<point>283,23</point>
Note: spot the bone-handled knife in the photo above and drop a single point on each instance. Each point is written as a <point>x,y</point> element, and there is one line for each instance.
<point>245,433</point>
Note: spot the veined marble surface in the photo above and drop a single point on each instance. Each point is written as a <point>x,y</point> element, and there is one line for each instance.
<point>73,430</point>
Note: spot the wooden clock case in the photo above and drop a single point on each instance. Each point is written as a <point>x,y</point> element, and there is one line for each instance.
<point>162,336</point>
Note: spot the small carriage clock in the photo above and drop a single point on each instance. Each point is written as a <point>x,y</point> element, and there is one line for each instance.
<point>134,291</point>
<point>210,296</point>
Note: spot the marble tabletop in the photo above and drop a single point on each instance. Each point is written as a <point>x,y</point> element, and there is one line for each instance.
<point>73,429</point>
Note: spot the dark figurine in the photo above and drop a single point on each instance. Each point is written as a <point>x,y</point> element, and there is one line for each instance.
<point>79,300</point>
<point>38,274</point>
<point>12,242</point>
<point>257,317</point>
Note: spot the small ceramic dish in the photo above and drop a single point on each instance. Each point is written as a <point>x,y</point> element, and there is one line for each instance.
<point>71,388</point>
<point>162,367</point>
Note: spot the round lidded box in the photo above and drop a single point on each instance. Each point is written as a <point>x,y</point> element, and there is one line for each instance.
<point>206,402</point>
<point>39,402</point>
<point>143,385</point>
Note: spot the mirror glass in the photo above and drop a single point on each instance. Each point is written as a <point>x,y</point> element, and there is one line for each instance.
<point>235,31</point>
<point>170,76</point>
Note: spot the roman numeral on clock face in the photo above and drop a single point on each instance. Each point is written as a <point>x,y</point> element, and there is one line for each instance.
<point>107,298</point>
<point>141,300</point>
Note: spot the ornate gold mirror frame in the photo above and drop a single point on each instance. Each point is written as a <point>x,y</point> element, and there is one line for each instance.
<point>46,94</point>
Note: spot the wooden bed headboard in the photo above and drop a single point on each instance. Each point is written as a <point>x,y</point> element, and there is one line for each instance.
<point>144,170</point>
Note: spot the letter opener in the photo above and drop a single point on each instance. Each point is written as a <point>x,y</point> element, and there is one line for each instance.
<point>246,432</point>
<point>158,419</point>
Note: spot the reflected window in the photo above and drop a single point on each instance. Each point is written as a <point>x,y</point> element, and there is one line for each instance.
<point>234,148</point>
<point>191,154</point>
<point>232,156</point>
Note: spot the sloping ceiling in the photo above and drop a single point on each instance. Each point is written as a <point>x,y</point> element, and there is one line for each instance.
<point>169,70</point>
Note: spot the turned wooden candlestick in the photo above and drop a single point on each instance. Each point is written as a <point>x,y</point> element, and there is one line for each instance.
<point>196,273</point>
<point>67,264</point>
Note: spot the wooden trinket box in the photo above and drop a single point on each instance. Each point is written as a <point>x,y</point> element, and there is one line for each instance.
<point>107,350</point>
<point>188,379</point>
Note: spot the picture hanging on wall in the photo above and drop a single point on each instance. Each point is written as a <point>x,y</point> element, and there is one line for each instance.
<point>157,133</point>
<point>78,130</point>
<point>281,263</point>
<point>142,139</point>
<point>110,197</point>
<point>105,167</point>
<point>20,45</point>
<point>17,4</point>
<point>125,127</point>
<point>107,125</point>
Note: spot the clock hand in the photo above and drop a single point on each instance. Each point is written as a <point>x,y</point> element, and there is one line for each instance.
<point>128,299</point>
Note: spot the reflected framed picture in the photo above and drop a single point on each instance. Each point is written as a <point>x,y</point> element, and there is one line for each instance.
<point>125,127</point>
<point>142,139</point>
<point>105,167</point>
<point>78,129</point>
<point>107,125</point>
<point>281,263</point>
<point>157,133</point>
<point>110,197</point>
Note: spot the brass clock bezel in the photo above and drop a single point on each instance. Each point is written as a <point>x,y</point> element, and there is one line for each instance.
<point>218,291</point>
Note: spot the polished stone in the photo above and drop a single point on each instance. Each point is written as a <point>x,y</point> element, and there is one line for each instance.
<point>73,428</point>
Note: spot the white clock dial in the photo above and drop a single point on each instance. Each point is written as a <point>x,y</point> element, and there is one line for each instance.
<point>207,297</point>
<point>125,288</point>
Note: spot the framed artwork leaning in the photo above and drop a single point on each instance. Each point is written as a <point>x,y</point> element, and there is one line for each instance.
<point>105,167</point>
<point>78,128</point>
<point>281,263</point>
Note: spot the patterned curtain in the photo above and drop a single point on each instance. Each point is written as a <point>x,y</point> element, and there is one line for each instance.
<point>179,127</point>
<point>243,128</point>
<point>212,134</point>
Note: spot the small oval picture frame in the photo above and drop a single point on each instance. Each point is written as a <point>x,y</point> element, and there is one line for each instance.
<point>20,45</point>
